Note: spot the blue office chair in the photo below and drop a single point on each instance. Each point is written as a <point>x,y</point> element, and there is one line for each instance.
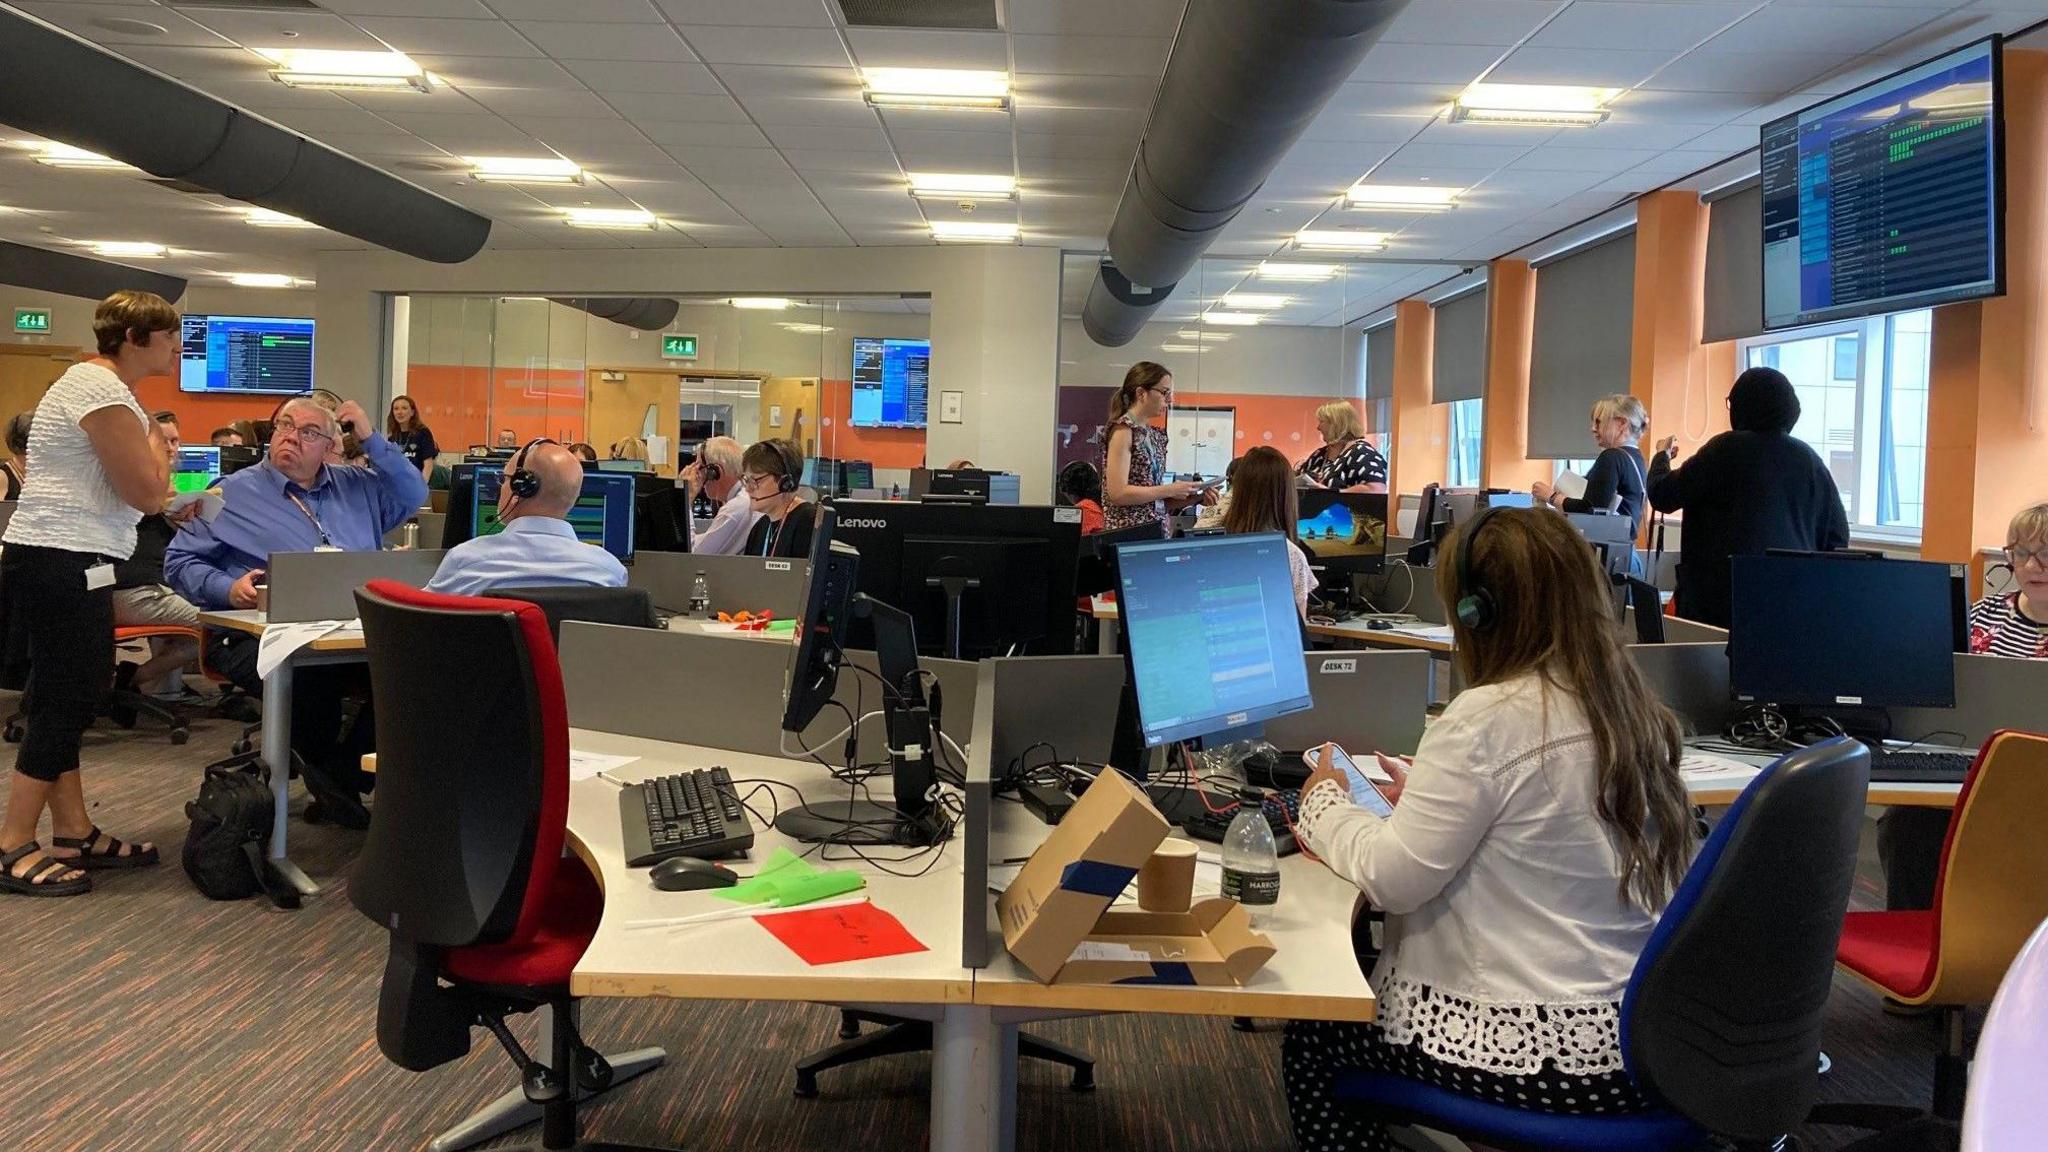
<point>1721,1021</point>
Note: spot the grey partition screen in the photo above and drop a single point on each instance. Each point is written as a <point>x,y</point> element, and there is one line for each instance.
<point>1458,367</point>
<point>1579,348</point>
<point>1735,267</point>
<point>1379,362</point>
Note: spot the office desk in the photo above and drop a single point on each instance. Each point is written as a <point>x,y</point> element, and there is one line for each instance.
<point>726,631</point>
<point>277,722</point>
<point>1104,610</point>
<point>1906,795</point>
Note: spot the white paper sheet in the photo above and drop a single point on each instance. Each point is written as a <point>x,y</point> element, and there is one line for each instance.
<point>1425,631</point>
<point>1705,770</point>
<point>585,765</point>
<point>1571,484</point>
<point>281,640</point>
<point>210,503</point>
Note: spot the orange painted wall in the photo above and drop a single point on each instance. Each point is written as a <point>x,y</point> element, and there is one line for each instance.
<point>1422,430</point>
<point>461,403</point>
<point>1510,329</point>
<point>199,415</point>
<point>1680,380</point>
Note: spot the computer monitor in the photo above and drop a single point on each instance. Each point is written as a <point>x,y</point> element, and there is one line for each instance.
<point>1501,498</point>
<point>622,466</point>
<point>661,520</point>
<point>959,485</point>
<point>979,580</point>
<point>1613,539</point>
<point>856,476</point>
<point>602,514</point>
<point>1429,527</point>
<point>1345,531</point>
<point>196,469</point>
<point>1840,633</point>
<point>233,460</point>
<point>1212,637</point>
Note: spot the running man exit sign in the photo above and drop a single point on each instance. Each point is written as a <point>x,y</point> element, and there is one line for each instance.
<point>32,320</point>
<point>678,346</point>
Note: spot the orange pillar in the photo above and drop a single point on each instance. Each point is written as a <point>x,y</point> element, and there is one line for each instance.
<point>1680,380</point>
<point>1510,322</point>
<point>1421,429</point>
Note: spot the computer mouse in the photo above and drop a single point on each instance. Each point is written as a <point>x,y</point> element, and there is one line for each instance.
<point>1380,625</point>
<point>689,874</point>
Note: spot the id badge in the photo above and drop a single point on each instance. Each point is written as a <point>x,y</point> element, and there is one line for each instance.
<point>99,576</point>
<point>326,548</point>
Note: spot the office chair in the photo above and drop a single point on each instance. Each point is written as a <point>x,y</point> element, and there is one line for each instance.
<point>632,607</point>
<point>463,862</point>
<point>124,705</point>
<point>1992,891</point>
<point>2006,1109</point>
<point>1721,1021</point>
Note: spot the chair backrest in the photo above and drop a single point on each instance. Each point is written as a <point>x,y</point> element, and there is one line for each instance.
<point>633,607</point>
<point>472,767</point>
<point>1994,868</point>
<point>1722,1018</point>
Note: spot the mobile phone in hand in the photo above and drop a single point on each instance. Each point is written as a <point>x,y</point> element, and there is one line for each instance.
<point>1665,445</point>
<point>1364,792</point>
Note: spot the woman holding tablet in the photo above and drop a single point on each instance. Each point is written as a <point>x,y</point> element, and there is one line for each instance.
<point>1134,455</point>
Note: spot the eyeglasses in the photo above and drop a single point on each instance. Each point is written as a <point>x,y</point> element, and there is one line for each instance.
<point>749,479</point>
<point>2018,557</point>
<point>308,434</point>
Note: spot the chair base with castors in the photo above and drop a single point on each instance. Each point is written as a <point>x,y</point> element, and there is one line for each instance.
<point>547,1087</point>
<point>899,1036</point>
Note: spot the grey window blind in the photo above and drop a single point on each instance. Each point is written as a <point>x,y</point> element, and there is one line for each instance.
<point>1379,362</point>
<point>1458,362</point>
<point>1735,274</point>
<point>1579,349</point>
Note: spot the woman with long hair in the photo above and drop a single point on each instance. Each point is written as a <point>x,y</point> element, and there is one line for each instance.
<point>403,427</point>
<point>1532,844</point>
<point>1134,490</point>
<point>1263,499</point>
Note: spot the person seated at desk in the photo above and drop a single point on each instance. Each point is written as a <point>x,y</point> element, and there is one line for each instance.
<point>537,548</point>
<point>584,452</point>
<point>716,473</point>
<point>1540,829</point>
<point>1618,480</point>
<point>225,437</point>
<point>1263,499</point>
<point>293,501</point>
<point>141,597</point>
<point>1081,487</point>
<point>771,472</point>
<point>2017,624</point>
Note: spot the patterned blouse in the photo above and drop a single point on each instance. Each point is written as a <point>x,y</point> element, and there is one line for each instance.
<point>1999,628</point>
<point>1359,463</point>
<point>1148,468</point>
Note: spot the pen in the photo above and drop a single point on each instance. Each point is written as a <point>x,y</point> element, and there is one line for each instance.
<point>740,912</point>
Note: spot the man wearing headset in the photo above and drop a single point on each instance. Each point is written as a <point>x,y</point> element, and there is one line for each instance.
<point>294,501</point>
<point>537,548</point>
<point>771,472</point>
<point>716,473</point>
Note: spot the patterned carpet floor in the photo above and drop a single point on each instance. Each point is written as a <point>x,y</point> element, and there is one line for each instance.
<point>144,1018</point>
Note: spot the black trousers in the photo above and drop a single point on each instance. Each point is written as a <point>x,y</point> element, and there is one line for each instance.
<point>70,639</point>
<point>320,694</point>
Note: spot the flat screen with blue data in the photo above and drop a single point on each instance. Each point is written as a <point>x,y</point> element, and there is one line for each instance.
<point>891,382</point>
<point>272,354</point>
<point>603,514</point>
<point>1215,639</point>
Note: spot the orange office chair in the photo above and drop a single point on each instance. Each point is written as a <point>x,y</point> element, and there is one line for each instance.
<point>124,705</point>
<point>1992,891</point>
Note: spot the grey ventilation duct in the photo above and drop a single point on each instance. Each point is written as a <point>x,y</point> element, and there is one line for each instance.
<point>1117,309</point>
<point>647,313</point>
<point>69,275</point>
<point>1244,81</point>
<point>61,87</point>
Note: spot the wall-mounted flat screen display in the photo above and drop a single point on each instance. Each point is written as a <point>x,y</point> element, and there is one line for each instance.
<point>891,378</point>
<point>246,354</point>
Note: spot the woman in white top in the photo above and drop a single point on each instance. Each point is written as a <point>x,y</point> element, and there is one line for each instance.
<point>100,463</point>
<point>1533,841</point>
<point>1262,499</point>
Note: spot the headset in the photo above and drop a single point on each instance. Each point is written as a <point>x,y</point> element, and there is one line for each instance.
<point>1477,609</point>
<point>792,466</point>
<point>524,481</point>
<point>319,396</point>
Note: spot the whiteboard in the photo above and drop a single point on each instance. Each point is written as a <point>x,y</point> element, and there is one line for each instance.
<point>1200,440</point>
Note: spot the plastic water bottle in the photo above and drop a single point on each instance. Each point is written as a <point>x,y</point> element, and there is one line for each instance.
<point>700,597</point>
<point>1251,862</point>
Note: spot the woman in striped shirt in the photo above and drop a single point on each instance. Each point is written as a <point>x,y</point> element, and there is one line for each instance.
<point>2016,624</point>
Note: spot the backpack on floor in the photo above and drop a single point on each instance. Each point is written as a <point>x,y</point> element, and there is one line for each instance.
<point>227,847</point>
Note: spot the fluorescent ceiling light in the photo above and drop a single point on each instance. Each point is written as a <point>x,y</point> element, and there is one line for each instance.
<point>973,232</point>
<point>262,280</point>
<point>609,218</point>
<point>806,329</point>
<point>962,186</point>
<point>761,303</point>
<point>936,88</point>
<point>1339,240</point>
<point>65,156</point>
<point>331,68</point>
<point>1543,104</point>
<point>524,169</point>
<point>1198,335</point>
<point>1182,349</point>
<point>1235,319</point>
<point>1297,273</point>
<point>1253,300</point>
<point>271,218</point>
<point>1402,197</point>
<point>132,249</point>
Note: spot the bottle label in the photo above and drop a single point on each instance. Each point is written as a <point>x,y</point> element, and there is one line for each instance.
<point>1251,887</point>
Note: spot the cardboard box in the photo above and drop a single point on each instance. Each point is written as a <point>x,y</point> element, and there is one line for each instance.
<point>1056,919</point>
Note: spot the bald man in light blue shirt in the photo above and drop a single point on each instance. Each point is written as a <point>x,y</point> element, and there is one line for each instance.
<point>537,548</point>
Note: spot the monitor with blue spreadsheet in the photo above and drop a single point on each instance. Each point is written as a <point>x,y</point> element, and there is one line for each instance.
<point>602,515</point>
<point>268,354</point>
<point>197,468</point>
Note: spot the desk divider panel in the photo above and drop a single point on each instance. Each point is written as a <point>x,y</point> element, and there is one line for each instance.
<point>322,585</point>
<point>1677,629</point>
<point>738,583</point>
<point>1366,701</point>
<point>1992,693</point>
<point>1691,680</point>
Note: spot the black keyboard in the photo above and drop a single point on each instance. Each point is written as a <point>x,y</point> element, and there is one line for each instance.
<point>690,814</point>
<point>1889,767</point>
<point>1185,807</point>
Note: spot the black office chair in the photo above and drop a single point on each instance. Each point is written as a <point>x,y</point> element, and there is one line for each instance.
<point>463,862</point>
<point>632,607</point>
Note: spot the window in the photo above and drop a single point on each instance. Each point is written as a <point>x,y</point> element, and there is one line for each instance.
<point>1862,388</point>
<point>1466,433</point>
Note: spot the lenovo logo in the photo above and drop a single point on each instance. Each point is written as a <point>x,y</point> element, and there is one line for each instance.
<point>857,522</point>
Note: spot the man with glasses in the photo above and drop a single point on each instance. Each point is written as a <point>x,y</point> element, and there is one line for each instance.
<point>295,501</point>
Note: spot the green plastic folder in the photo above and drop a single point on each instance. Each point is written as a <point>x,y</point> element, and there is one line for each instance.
<point>786,880</point>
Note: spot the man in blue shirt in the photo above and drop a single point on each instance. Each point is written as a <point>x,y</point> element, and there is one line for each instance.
<point>294,501</point>
<point>537,548</point>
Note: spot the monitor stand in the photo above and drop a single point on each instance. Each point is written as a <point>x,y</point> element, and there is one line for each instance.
<point>913,820</point>
<point>954,587</point>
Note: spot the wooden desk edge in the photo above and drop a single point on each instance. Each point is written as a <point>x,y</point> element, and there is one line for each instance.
<point>1880,795</point>
<point>1181,1001</point>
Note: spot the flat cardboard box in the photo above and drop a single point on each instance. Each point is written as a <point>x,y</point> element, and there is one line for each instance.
<point>1212,943</point>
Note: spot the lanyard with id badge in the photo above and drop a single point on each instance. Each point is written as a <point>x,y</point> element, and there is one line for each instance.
<point>326,543</point>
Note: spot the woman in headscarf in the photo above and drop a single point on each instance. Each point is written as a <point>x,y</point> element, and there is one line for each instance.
<point>1751,489</point>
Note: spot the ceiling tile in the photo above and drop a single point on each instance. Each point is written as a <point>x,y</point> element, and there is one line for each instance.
<point>454,9</point>
<point>1595,67</point>
<point>499,72</point>
<point>640,42</point>
<point>1455,64</point>
<point>1834,30</point>
<point>1495,22</point>
<point>449,37</point>
<point>79,18</point>
<point>605,76</point>
<point>284,29</point>
<point>799,47</point>
<point>776,81</point>
<point>515,102</point>
<point>602,154</point>
<point>746,165</point>
<point>583,11</point>
<point>803,113</point>
<point>566,133</point>
<point>1606,24</point>
<point>1095,18</point>
<point>856,139</point>
<point>856,164</point>
<point>663,106</point>
<point>922,48</point>
<point>1584,159</point>
<point>1116,151</point>
<point>754,13</point>
<point>1043,120</point>
<point>1773,72</point>
<point>687,134</point>
<point>1086,55</point>
<point>1461,155</point>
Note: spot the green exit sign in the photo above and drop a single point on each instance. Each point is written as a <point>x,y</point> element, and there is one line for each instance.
<point>37,321</point>
<point>678,346</point>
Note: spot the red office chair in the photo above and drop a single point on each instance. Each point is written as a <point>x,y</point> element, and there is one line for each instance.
<point>463,862</point>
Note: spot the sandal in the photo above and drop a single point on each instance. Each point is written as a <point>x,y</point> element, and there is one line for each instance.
<point>37,881</point>
<point>113,854</point>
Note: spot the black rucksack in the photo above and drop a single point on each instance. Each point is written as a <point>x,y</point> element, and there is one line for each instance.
<point>227,847</point>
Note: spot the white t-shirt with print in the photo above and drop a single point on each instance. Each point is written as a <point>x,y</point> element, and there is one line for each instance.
<point>67,501</point>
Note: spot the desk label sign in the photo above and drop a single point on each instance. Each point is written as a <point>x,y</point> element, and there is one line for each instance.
<point>678,346</point>
<point>777,566</point>
<point>34,321</point>
<point>1339,667</point>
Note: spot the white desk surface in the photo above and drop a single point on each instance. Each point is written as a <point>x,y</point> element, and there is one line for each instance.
<point>251,621</point>
<point>727,631</point>
<point>1720,793</point>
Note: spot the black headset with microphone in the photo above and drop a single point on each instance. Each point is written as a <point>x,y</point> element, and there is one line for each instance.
<point>524,481</point>
<point>792,466</point>
<point>1477,609</point>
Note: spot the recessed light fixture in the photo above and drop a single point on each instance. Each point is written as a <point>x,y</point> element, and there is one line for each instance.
<point>962,186</point>
<point>129,249</point>
<point>272,218</point>
<point>1547,105</point>
<point>1233,319</point>
<point>610,218</point>
<point>1339,240</point>
<point>1253,301</point>
<point>1402,197</point>
<point>936,88</point>
<point>1182,349</point>
<point>973,232</point>
<point>805,329</point>
<point>332,68</point>
<point>1297,273</point>
<point>263,280</point>
<point>524,169</point>
<point>1198,335</point>
<point>65,156</point>
<point>761,303</point>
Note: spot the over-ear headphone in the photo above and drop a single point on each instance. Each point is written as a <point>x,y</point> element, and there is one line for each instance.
<point>525,482</point>
<point>792,466</point>
<point>1477,609</point>
<point>710,473</point>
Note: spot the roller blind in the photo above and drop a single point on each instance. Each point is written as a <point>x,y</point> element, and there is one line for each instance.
<point>1735,274</point>
<point>1458,363</point>
<point>1579,349</point>
<point>1379,362</point>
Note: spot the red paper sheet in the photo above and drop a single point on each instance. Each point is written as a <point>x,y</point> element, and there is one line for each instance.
<point>833,935</point>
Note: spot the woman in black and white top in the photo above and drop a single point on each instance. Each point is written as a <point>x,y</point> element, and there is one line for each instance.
<point>2016,624</point>
<point>1347,461</point>
<point>100,463</point>
<point>1533,841</point>
<point>1618,481</point>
